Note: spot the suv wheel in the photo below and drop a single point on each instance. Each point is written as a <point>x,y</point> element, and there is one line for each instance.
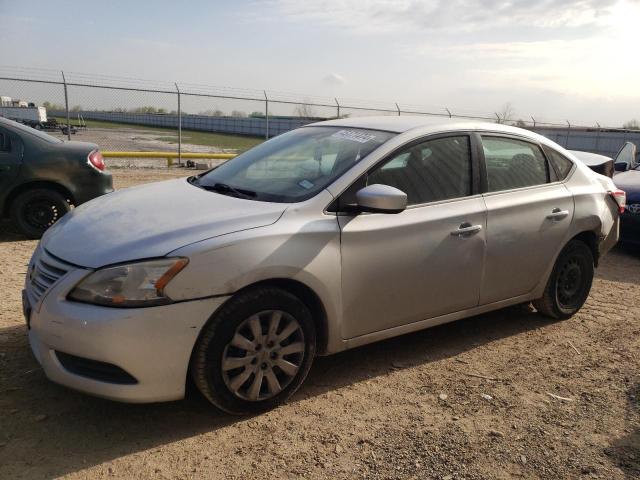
<point>36,210</point>
<point>255,352</point>
<point>570,282</point>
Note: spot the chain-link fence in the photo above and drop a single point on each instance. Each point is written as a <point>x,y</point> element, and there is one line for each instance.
<point>132,115</point>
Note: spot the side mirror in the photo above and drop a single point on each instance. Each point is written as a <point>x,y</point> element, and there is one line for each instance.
<point>378,198</point>
<point>621,166</point>
<point>626,157</point>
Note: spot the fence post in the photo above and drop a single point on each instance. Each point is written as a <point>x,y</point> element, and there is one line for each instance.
<point>597,148</point>
<point>534,122</point>
<point>338,105</point>
<point>266,115</point>
<point>568,132</point>
<point>179,126</point>
<point>448,111</point>
<point>398,109</point>
<point>66,105</point>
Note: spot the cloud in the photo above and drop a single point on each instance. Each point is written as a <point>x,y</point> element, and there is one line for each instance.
<point>334,79</point>
<point>380,16</point>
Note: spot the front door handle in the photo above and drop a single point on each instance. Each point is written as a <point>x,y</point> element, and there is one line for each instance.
<point>557,214</point>
<point>466,230</point>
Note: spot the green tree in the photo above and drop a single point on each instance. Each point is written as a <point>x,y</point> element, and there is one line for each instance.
<point>52,106</point>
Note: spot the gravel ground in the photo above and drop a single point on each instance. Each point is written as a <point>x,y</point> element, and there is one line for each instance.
<point>478,398</point>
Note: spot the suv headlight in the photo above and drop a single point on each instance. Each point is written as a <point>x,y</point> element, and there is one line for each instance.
<point>139,284</point>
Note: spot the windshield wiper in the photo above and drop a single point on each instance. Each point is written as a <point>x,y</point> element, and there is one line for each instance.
<point>228,189</point>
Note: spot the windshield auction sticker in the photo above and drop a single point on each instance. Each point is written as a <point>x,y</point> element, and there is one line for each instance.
<point>354,136</point>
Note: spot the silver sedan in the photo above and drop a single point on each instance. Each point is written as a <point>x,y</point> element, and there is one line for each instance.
<point>325,238</point>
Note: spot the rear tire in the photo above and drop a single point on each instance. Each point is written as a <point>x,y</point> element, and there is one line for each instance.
<point>36,210</point>
<point>256,351</point>
<point>569,284</point>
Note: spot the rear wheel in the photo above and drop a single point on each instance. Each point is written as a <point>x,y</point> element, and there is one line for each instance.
<point>256,352</point>
<point>570,282</point>
<point>36,210</point>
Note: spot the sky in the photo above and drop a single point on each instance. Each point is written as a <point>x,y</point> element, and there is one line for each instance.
<point>555,60</point>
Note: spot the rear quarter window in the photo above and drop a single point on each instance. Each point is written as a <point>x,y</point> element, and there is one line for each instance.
<point>561,163</point>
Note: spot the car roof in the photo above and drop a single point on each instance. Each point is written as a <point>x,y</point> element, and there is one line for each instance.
<point>404,123</point>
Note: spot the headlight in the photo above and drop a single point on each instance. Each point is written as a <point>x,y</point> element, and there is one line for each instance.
<point>138,284</point>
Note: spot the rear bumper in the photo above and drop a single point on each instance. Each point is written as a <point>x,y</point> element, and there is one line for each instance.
<point>95,185</point>
<point>608,241</point>
<point>151,345</point>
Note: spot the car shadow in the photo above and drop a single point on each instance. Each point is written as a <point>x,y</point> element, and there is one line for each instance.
<point>71,431</point>
<point>9,232</point>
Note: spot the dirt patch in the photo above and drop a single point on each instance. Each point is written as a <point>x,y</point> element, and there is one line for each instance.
<point>473,399</point>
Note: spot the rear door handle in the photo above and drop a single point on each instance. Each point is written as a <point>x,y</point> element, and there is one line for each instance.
<point>557,214</point>
<point>466,229</point>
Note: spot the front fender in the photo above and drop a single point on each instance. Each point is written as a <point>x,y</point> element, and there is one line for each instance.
<point>307,252</point>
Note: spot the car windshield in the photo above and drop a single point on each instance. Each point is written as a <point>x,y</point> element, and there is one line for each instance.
<point>294,166</point>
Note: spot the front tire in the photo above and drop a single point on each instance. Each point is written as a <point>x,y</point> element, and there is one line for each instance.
<point>36,210</point>
<point>256,351</point>
<point>569,284</point>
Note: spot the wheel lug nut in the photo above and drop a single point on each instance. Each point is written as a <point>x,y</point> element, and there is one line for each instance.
<point>274,355</point>
<point>258,347</point>
<point>270,344</point>
<point>263,366</point>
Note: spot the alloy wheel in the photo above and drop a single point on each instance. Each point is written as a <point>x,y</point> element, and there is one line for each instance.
<point>264,355</point>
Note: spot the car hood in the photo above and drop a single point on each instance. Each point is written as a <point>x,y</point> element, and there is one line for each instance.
<point>629,182</point>
<point>150,221</point>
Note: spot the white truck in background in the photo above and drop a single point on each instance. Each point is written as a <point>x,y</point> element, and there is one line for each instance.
<point>35,117</point>
<point>30,115</point>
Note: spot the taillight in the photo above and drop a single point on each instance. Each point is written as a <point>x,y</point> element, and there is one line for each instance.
<point>621,199</point>
<point>96,160</point>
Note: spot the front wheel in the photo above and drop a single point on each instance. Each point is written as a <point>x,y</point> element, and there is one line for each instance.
<point>255,352</point>
<point>570,282</point>
<point>36,210</point>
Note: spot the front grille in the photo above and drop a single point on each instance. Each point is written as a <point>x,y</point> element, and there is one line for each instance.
<point>95,370</point>
<point>44,271</point>
<point>633,209</point>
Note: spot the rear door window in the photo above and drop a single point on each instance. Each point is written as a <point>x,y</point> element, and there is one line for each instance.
<point>513,163</point>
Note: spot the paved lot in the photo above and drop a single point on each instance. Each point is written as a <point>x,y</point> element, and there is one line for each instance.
<point>465,400</point>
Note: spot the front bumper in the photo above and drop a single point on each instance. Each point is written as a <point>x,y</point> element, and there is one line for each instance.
<point>153,345</point>
<point>630,227</point>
